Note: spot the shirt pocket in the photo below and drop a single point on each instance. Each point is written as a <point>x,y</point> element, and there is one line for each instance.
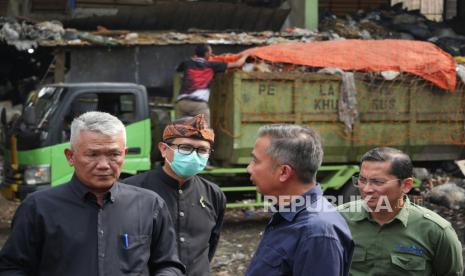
<point>360,254</point>
<point>204,207</point>
<point>408,263</point>
<point>134,257</point>
<point>271,257</point>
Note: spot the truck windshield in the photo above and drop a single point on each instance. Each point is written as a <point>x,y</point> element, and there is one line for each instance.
<point>44,104</point>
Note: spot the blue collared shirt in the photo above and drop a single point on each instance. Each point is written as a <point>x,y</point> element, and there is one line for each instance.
<point>311,239</point>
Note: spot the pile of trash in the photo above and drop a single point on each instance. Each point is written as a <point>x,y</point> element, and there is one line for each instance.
<point>394,22</point>
<point>385,23</point>
<point>441,188</point>
<point>25,36</point>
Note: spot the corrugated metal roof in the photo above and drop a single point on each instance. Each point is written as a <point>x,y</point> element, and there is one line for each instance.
<point>181,16</point>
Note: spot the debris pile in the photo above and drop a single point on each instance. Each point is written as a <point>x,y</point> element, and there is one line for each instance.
<point>25,36</point>
<point>442,189</point>
<point>394,22</point>
<point>387,23</point>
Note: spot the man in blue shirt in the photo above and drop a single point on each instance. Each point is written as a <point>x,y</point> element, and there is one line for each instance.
<point>306,235</point>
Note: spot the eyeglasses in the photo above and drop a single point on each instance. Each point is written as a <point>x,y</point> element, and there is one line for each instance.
<point>360,181</point>
<point>187,149</point>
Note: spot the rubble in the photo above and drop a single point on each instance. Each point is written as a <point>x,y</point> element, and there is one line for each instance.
<point>390,75</point>
<point>421,174</point>
<point>24,36</point>
<point>395,23</point>
<point>461,72</point>
<point>392,23</point>
<point>441,188</point>
<point>449,195</point>
<point>11,111</point>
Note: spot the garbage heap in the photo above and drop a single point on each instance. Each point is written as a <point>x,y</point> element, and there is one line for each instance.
<point>384,23</point>
<point>394,22</point>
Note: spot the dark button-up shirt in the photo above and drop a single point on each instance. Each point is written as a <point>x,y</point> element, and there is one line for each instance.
<point>63,231</point>
<point>311,239</point>
<point>197,208</point>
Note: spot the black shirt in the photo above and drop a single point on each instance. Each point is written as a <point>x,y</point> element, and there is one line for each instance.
<point>63,231</point>
<point>197,208</point>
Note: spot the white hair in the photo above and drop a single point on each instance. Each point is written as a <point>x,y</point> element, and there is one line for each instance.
<point>96,121</point>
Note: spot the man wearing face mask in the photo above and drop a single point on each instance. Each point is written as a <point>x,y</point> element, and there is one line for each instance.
<point>196,205</point>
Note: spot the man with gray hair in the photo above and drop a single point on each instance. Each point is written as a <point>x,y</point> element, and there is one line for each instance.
<point>92,225</point>
<point>306,235</point>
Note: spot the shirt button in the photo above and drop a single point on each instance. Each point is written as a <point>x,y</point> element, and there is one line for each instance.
<point>181,214</point>
<point>180,191</point>
<point>101,232</point>
<point>181,239</point>
<point>102,255</point>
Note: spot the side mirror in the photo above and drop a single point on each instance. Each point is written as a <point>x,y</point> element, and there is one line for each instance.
<point>29,115</point>
<point>3,117</point>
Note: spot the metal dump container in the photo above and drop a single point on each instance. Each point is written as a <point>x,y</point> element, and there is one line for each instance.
<point>407,113</point>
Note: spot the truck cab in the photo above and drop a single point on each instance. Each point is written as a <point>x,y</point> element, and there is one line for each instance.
<point>33,144</point>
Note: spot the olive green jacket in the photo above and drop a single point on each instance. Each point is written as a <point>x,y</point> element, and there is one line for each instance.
<point>416,242</point>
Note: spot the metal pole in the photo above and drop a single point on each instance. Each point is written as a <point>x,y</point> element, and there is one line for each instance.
<point>311,14</point>
<point>444,10</point>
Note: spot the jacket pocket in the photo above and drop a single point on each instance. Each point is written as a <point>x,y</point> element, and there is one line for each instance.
<point>408,262</point>
<point>271,257</point>
<point>135,253</point>
<point>360,254</point>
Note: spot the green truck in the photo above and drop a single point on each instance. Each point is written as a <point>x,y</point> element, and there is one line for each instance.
<point>406,113</point>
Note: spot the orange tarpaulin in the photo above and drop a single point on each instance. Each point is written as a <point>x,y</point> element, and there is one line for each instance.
<point>420,58</point>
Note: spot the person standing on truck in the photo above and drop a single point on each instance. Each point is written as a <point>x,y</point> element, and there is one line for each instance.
<point>306,235</point>
<point>392,235</point>
<point>92,225</point>
<point>198,73</point>
<point>196,205</point>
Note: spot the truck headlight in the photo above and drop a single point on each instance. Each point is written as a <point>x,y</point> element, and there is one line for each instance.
<point>37,174</point>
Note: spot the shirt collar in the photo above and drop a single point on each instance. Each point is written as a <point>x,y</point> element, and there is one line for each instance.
<point>311,195</point>
<point>170,181</point>
<point>199,59</point>
<point>83,192</point>
<point>359,215</point>
<point>402,216</point>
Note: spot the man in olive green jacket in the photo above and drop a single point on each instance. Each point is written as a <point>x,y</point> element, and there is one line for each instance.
<point>392,235</point>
